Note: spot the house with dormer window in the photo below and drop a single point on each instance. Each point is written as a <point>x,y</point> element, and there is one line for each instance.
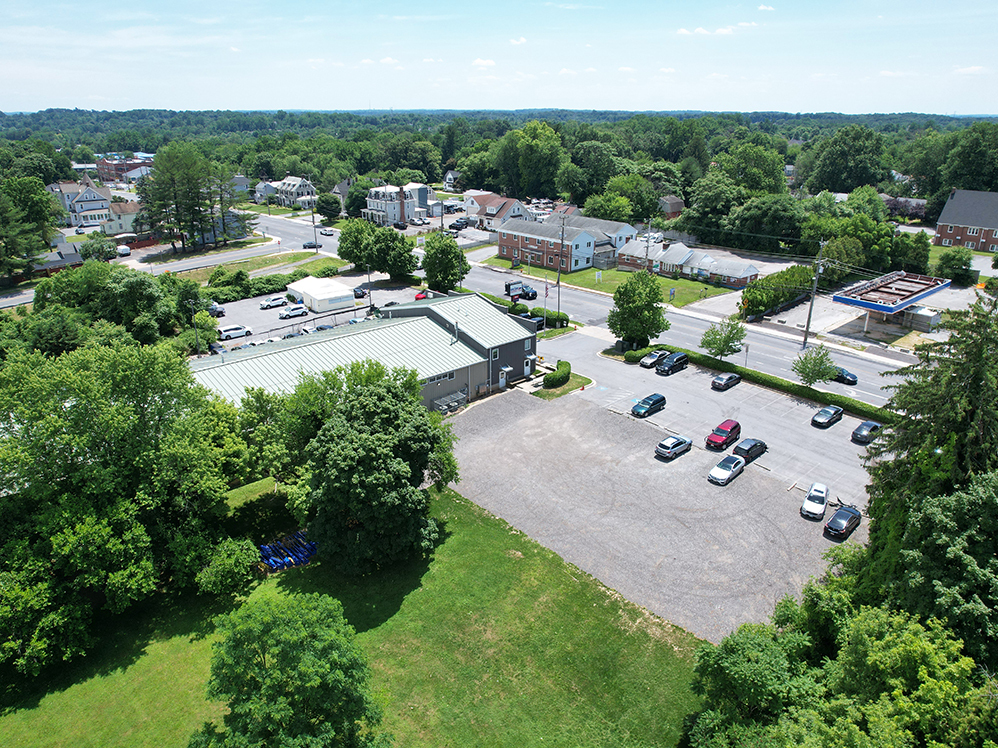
<point>85,203</point>
<point>969,219</point>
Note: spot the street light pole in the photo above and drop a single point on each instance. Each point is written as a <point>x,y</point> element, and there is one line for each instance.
<point>561,261</point>
<point>315,240</point>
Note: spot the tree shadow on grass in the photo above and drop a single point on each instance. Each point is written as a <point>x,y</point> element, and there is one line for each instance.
<point>119,642</point>
<point>262,520</point>
<point>368,600</point>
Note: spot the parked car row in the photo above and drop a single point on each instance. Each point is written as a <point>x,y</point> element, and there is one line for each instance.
<point>845,519</point>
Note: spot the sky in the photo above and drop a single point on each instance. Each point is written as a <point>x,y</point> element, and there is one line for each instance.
<point>847,56</point>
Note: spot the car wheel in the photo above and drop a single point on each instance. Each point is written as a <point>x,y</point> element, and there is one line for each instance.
<point>246,334</point>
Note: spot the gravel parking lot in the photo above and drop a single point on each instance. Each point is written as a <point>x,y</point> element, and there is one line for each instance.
<point>581,477</point>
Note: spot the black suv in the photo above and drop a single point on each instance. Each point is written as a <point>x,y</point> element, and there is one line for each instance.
<point>672,363</point>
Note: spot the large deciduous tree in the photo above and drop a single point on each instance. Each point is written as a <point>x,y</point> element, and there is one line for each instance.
<point>355,242</point>
<point>391,253</point>
<point>768,223</point>
<point>114,464</point>
<point>444,263</point>
<point>98,246</point>
<point>712,198</point>
<point>328,206</point>
<point>364,501</point>
<point>849,159</point>
<point>292,674</point>
<point>637,315</point>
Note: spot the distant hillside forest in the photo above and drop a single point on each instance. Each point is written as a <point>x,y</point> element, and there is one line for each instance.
<point>741,175</point>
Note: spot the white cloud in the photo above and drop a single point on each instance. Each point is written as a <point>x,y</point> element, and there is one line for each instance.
<point>626,70</point>
<point>667,70</point>
<point>389,61</point>
<point>589,70</point>
<point>748,23</point>
<point>367,62</point>
<point>684,31</point>
<point>726,30</point>
<point>892,74</point>
<point>717,76</point>
<point>521,40</point>
<point>699,30</point>
<point>972,70</point>
<point>566,71</point>
<point>480,63</point>
<point>766,7</point>
<point>428,59</point>
<point>234,49</point>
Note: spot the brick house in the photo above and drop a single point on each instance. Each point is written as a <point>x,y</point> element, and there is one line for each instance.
<point>585,240</point>
<point>969,219</point>
<point>494,210</point>
<point>689,263</point>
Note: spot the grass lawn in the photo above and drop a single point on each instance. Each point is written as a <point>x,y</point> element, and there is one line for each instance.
<point>201,275</point>
<point>935,252</point>
<point>494,641</point>
<point>687,291</point>
<point>274,209</point>
<point>167,255</point>
<point>73,238</point>
<point>575,381</point>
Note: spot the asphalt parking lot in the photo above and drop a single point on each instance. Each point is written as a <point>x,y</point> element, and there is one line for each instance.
<point>585,482</point>
<point>580,476</point>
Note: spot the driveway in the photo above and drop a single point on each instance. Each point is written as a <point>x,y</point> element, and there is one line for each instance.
<point>583,480</point>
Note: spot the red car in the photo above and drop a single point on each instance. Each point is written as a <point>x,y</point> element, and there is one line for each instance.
<point>421,295</point>
<point>727,432</point>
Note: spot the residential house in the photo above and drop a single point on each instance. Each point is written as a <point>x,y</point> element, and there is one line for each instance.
<point>671,206</point>
<point>616,233</point>
<point>451,178</point>
<point>241,185</point>
<point>969,219</point>
<point>388,204</point>
<point>136,174</point>
<point>679,258</point>
<point>122,218</point>
<point>263,190</point>
<point>295,192</point>
<point>85,203</point>
<point>494,210</point>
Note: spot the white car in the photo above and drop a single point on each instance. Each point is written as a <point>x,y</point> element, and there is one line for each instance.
<point>233,331</point>
<point>726,470</point>
<point>815,502</point>
<point>297,310</point>
<point>272,301</point>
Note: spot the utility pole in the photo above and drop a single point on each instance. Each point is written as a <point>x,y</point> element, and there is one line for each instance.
<point>814,290</point>
<point>311,202</point>
<point>561,261</point>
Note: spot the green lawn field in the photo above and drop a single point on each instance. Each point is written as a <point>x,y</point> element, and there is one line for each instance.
<point>493,641</point>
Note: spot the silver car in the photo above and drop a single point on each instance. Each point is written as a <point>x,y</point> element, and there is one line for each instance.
<point>815,502</point>
<point>673,446</point>
<point>726,470</point>
<point>272,301</point>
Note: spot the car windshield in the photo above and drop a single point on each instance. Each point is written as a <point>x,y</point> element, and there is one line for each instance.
<point>728,463</point>
<point>720,431</point>
<point>816,497</point>
<point>828,411</point>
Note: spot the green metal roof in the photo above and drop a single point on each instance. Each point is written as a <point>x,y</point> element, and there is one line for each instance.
<point>416,343</point>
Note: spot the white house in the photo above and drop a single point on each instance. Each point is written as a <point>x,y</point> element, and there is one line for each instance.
<point>85,202</point>
<point>322,294</point>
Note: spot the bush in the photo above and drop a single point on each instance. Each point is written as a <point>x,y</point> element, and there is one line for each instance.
<point>498,300</point>
<point>327,272</point>
<point>990,286</point>
<point>551,317</point>
<point>268,284</point>
<point>519,309</point>
<point>559,376</point>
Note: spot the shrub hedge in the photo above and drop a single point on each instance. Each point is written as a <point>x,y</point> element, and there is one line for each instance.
<point>263,286</point>
<point>559,376</point>
<point>855,407</point>
<point>551,317</point>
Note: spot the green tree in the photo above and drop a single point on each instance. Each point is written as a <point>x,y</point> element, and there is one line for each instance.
<point>712,198</point>
<point>610,207</point>
<point>944,430</point>
<point>174,195</point>
<point>814,365</point>
<point>328,206</point>
<point>98,246</point>
<point>113,456</point>
<point>444,263</point>
<point>355,242</point>
<point>357,197</point>
<point>20,245</point>
<point>866,200</point>
<point>391,253</point>
<point>292,674</point>
<point>956,264</point>
<point>640,192</point>
<point>364,502</point>
<point>841,255</point>
<point>723,339</point>
<point>947,555</point>
<point>637,315</point>
<point>769,223</point>
<point>755,168</point>
<point>852,157</point>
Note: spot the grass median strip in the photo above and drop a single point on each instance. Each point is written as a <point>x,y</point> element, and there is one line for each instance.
<point>575,381</point>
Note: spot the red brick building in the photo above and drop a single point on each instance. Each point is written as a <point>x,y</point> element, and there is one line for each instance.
<point>114,169</point>
<point>969,219</point>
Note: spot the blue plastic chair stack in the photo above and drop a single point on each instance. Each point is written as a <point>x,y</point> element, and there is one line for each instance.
<point>292,550</point>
